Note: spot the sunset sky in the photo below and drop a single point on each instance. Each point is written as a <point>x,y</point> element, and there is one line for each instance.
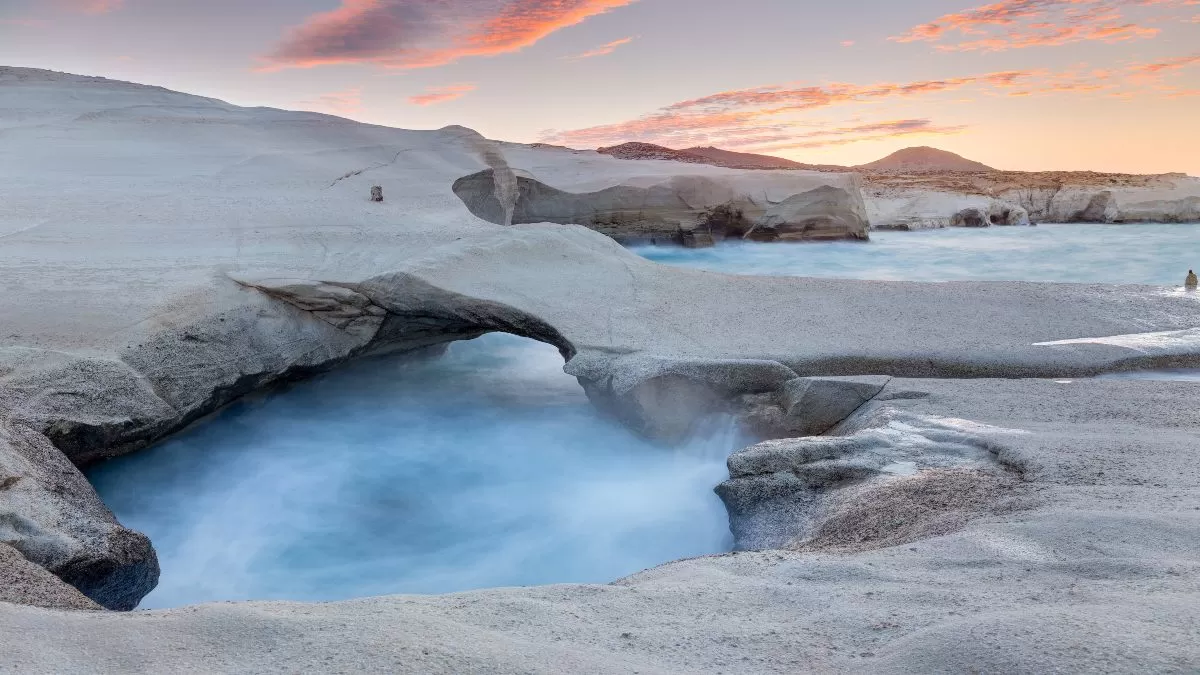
<point>1106,85</point>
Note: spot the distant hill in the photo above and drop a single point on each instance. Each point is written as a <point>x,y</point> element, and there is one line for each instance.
<point>913,160</point>
<point>710,155</point>
<point>651,151</point>
<point>744,160</point>
<point>925,159</point>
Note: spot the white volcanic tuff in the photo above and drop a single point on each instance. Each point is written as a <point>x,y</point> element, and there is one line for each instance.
<point>805,207</point>
<point>1162,199</point>
<point>193,252</point>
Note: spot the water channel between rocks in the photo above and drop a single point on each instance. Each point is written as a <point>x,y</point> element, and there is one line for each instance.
<point>488,467</point>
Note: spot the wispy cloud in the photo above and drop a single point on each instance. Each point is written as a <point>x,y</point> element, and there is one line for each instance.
<point>765,114</point>
<point>863,133</point>
<point>1167,65</point>
<point>93,6</point>
<point>435,95</point>
<point>345,102</point>
<point>51,6</point>
<point>426,33</point>
<point>776,117</point>
<point>602,50</point>
<point>1019,24</point>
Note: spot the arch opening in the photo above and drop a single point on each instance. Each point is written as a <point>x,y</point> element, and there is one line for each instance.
<point>485,467</point>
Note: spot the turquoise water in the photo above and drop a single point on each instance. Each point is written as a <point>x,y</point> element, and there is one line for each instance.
<point>1117,254</point>
<point>487,467</point>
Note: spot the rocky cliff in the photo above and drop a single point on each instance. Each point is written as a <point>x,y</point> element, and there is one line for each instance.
<point>921,200</point>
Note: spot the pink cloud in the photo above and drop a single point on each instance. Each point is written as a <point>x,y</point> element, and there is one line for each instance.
<point>425,33</point>
<point>603,50</point>
<point>773,116</point>
<point>1019,24</point>
<point>435,95</point>
<point>1167,65</point>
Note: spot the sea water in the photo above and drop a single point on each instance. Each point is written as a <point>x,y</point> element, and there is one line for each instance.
<point>486,467</point>
<point>1110,254</point>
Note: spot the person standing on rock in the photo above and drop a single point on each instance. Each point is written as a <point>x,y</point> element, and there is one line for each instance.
<point>1192,282</point>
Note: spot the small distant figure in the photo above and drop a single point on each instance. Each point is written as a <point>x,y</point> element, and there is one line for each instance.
<point>1192,282</point>
<point>377,193</point>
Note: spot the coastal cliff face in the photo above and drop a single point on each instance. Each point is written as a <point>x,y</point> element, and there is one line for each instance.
<point>922,188</point>
<point>693,210</point>
<point>933,199</point>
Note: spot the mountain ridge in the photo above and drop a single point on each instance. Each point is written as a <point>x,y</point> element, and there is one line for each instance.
<point>913,159</point>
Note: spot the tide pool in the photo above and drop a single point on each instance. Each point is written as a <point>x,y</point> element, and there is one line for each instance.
<point>483,468</point>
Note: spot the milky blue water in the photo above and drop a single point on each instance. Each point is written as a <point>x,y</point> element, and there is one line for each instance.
<point>1175,375</point>
<point>483,468</point>
<point>488,467</point>
<point>1117,254</point>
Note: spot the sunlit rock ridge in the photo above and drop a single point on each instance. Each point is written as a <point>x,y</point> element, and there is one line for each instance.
<point>923,188</point>
<point>164,254</point>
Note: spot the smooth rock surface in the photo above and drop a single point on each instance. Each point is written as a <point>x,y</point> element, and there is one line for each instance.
<point>204,251</point>
<point>824,214</point>
<point>51,516</point>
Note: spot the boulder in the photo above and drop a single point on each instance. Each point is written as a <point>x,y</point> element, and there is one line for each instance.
<point>51,517</point>
<point>780,493</point>
<point>26,583</point>
<point>824,214</point>
<point>1003,213</point>
<point>815,405</point>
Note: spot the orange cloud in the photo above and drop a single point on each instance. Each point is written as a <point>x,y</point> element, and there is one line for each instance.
<point>772,117</point>
<point>1168,65</point>
<point>435,95</point>
<point>1019,24</point>
<point>422,34</point>
<point>603,50</point>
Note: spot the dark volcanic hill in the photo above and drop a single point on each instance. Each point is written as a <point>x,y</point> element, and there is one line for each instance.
<point>710,155</point>
<point>925,159</point>
<point>908,160</point>
<point>744,160</point>
<point>651,151</point>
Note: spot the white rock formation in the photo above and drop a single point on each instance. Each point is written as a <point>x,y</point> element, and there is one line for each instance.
<point>932,200</point>
<point>201,251</point>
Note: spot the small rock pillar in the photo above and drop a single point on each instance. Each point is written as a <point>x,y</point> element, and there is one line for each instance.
<point>1192,282</point>
<point>377,193</point>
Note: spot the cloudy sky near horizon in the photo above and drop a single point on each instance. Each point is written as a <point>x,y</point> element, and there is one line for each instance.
<point>1107,85</point>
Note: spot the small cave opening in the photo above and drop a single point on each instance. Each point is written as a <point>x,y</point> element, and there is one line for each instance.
<point>478,465</point>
